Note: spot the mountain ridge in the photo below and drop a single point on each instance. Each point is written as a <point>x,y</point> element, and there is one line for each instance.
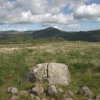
<point>50,32</point>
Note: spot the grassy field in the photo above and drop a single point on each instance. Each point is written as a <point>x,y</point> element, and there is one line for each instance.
<point>83,59</point>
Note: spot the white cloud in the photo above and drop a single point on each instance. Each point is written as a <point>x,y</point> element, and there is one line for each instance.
<point>34,11</point>
<point>73,25</point>
<point>88,12</point>
<point>98,19</point>
<point>46,18</point>
<point>35,6</point>
<point>48,11</point>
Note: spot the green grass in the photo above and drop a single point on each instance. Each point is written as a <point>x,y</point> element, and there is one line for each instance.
<point>83,59</point>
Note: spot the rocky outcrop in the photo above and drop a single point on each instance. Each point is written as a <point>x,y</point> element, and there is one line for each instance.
<point>49,79</point>
<point>55,73</point>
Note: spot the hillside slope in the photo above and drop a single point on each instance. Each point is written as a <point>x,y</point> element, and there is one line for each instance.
<point>92,36</point>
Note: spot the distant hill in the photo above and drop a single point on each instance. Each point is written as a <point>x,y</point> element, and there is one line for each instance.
<point>48,33</point>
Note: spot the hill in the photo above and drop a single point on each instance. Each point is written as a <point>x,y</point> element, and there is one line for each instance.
<point>49,33</point>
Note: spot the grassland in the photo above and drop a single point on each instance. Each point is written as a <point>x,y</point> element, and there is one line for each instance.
<point>83,59</point>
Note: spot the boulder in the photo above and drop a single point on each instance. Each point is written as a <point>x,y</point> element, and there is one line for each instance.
<point>40,72</point>
<point>52,90</point>
<point>58,74</point>
<point>55,73</point>
<point>37,90</point>
<point>98,97</point>
<point>85,91</point>
<point>13,90</point>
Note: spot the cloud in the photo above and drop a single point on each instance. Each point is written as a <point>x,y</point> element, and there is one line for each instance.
<point>46,18</point>
<point>88,12</point>
<point>49,11</point>
<point>98,19</point>
<point>35,6</point>
<point>36,10</point>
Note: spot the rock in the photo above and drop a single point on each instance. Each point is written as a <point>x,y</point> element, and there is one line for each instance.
<point>60,90</point>
<point>69,94</point>
<point>44,98</point>
<point>32,96</point>
<point>98,97</point>
<point>85,91</point>
<point>88,99</point>
<point>23,93</point>
<point>40,71</point>
<point>52,99</point>
<point>55,73</point>
<point>37,90</point>
<point>14,97</point>
<point>37,98</point>
<point>58,74</point>
<point>68,99</point>
<point>13,90</point>
<point>52,90</point>
<point>28,78</point>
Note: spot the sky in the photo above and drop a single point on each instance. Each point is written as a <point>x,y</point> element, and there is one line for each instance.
<point>68,15</point>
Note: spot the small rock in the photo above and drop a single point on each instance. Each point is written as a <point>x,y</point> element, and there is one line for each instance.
<point>98,97</point>
<point>37,90</point>
<point>14,97</point>
<point>44,98</point>
<point>68,99</point>
<point>23,93</point>
<point>70,94</point>
<point>60,90</point>
<point>52,90</point>
<point>13,90</point>
<point>32,96</point>
<point>37,98</point>
<point>85,91</point>
<point>88,99</point>
<point>52,99</point>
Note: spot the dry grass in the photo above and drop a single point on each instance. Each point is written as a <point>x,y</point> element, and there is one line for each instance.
<point>83,59</point>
